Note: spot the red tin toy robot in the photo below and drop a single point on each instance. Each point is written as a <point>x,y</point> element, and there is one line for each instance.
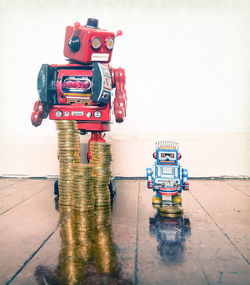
<point>81,89</point>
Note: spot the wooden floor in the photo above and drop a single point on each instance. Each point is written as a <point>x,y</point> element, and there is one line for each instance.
<point>210,244</point>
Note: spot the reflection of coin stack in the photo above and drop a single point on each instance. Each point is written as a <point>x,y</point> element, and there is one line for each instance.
<point>67,270</point>
<point>76,248</point>
<point>104,250</point>
<point>83,197</point>
<point>68,151</point>
<point>101,159</point>
<point>83,226</point>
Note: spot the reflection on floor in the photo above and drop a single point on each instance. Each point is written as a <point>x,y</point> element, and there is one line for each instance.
<point>209,244</point>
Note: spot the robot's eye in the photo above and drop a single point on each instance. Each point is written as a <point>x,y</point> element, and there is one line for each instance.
<point>96,43</point>
<point>109,43</point>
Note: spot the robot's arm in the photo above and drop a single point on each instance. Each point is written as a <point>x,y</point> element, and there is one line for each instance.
<point>39,113</point>
<point>118,81</point>
<point>149,178</point>
<point>46,86</point>
<point>185,179</point>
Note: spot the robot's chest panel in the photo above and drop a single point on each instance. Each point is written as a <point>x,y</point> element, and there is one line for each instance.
<point>74,85</point>
<point>167,172</point>
<point>85,86</point>
<point>77,89</point>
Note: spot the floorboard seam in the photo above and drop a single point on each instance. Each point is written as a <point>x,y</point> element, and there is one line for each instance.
<point>43,189</point>
<point>38,249</point>
<point>7,186</point>
<point>198,260</point>
<point>237,189</point>
<point>137,234</point>
<point>205,274</point>
<point>232,243</point>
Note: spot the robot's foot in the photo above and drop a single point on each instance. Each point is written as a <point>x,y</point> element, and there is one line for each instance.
<point>56,188</point>
<point>176,199</point>
<point>156,201</point>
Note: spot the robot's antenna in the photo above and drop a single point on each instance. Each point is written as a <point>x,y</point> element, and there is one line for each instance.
<point>167,144</point>
<point>119,33</point>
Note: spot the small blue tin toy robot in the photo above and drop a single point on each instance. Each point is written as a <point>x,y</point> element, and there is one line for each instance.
<point>167,178</point>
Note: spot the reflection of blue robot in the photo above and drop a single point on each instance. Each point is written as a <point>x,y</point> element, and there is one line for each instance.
<point>167,177</point>
<point>171,235</point>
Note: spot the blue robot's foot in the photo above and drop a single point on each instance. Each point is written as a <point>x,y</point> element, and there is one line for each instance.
<point>171,211</point>
<point>56,188</point>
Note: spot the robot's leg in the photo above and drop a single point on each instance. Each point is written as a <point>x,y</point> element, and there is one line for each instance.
<point>157,200</point>
<point>56,188</point>
<point>112,189</point>
<point>176,199</point>
<point>95,137</point>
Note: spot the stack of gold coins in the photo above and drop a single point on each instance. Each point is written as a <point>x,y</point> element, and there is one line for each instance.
<point>83,198</point>
<point>68,152</point>
<point>100,161</point>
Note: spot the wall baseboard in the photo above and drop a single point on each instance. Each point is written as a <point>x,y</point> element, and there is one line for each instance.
<point>203,154</point>
<point>53,177</point>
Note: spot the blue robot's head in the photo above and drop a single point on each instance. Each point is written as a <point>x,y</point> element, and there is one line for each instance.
<point>167,156</point>
<point>167,153</point>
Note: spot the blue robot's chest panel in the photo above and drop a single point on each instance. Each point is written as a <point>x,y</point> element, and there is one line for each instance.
<point>167,172</point>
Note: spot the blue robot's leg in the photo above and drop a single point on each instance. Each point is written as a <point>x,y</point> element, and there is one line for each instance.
<point>158,195</point>
<point>176,199</point>
<point>157,200</point>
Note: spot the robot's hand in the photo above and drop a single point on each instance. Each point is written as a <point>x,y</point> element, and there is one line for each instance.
<point>118,81</point>
<point>38,113</point>
<point>120,111</point>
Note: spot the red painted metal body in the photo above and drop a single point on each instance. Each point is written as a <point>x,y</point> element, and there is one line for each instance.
<point>81,90</point>
<point>79,113</point>
<point>84,45</point>
<point>75,105</point>
<point>86,53</point>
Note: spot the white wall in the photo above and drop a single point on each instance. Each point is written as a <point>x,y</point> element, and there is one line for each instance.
<point>187,66</point>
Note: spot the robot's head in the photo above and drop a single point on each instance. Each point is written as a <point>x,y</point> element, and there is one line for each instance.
<point>167,156</point>
<point>167,153</point>
<point>88,43</point>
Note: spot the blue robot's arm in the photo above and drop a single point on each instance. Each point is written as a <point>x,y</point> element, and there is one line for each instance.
<point>185,179</point>
<point>185,174</point>
<point>149,178</point>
